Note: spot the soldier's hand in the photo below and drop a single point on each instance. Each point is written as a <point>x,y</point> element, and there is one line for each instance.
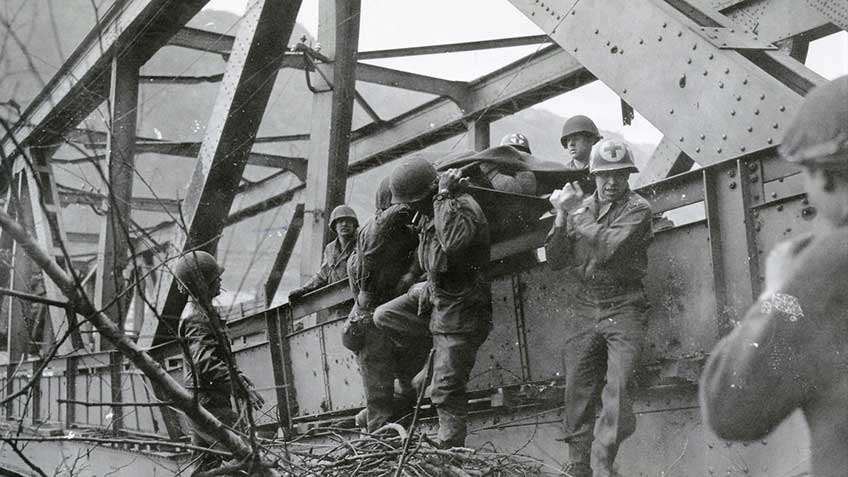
<point>780,261</point>
<point>568,198</point>
<point>296,294</point>
<point>450,180</point>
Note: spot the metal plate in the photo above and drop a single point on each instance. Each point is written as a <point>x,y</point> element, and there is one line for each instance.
<point>679,284</point>
<point>834,10</point>
<point>780,221</point>
<point>255,362</point>
<point>307,372</point>
<point>347,391</point>
<point>732,39</point>
<point>498,359</point>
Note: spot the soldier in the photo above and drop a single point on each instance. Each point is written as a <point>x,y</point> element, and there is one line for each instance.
<point>208,376</point>
<point>791,349</point>
<point>344,223</point>
<point>382,268</point>
<point>455,301</point>
<point>579,134</point>
<point>603,240</point>
<point>518,182</point>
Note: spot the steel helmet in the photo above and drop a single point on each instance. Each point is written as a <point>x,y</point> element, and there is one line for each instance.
<point>384,194</point>
<point>342,212</point>
<point>611,155</point>
<point>579,124</point>
<point>197,268</point>
<point>412,181</point>
<point>518,141</point>
<point>818,134</point>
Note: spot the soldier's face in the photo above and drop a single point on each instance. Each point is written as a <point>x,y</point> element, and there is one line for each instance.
<point>579,146</point>
<point>216,287</point>
<point>345,227</point>
<point>612,185</point>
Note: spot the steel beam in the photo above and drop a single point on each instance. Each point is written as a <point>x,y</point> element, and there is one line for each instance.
<point>453,47</point>
<point>715,102</point>
<point>284,254</point>
<point>332,114</point>
<point>775,20</point>
<point>147,204</point>
<point>530,80</point>
<point>113,250</point>
<point>82,83</point>
<point>479,135</point>
<point>667,160</point>
<point>297,165</point>
<point>248,81</point>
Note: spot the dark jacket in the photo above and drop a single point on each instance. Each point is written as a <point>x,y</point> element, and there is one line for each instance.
<point>604,244</point>
<point>454,251</point>
<point>208,356</point>
<point>385,250</point>
<point>789,352</point>
<point>333,266</point>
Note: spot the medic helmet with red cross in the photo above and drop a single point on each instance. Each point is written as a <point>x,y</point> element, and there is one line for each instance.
<point>611,155</point>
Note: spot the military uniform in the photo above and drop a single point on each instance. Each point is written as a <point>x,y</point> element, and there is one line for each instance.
<point>454,303</point>
<point>214,388</point>
<point>604,245</point>
<point>789,352</point>
<point>333,266</point>
<point>384,254</point>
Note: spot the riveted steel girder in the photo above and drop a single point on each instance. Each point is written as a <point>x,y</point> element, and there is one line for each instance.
<point>241,102</point>
<point>716,104</point>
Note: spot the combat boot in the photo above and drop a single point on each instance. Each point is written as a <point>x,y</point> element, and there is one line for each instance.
<point>577,469</point>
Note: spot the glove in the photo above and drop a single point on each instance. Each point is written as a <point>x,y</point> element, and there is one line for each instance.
<point>353,335</point>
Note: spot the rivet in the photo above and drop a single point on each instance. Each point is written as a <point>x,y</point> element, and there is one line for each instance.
<point>762,97</point>
<point>641,41</point>
<point>724,137</point>
<point>703,137</point>
<point>750,128</point>
<point>573,12</point>
<point>597,31</point>
<point>681,138</point>
<point>721,84</point>
<point>742,148</point>
<point>665,24</point>
<point>805,201</point>
<point>779,208</point>
<point>705,72</point>
<point>731,173</point>
<point>670,111</point>
<point>608,43</point>
<point>770,140</point>
<point>688,61</point>
<point>732,30</point>
<point>697,149</point>
<point>614,50</point>
<point>774,195</point>
<point>624,91</point>
<point>782,109</point>
<point>659,38</point>
<point>732,185</point>
<point>756,112</point>
<point>738,98</point>
<point>711,56</point>
<point>733,112</point>
<point>575,49</point>
<point>754,179</point>
<point>679,33</point>
<point>727,71</point>
<point>695,46</point>
<point>775,126</point>
<point>718,150</point>
<point>752,166</point>
<point>757,227</point>
<point>745,81</point>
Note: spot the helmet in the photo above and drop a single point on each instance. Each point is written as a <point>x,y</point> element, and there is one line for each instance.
<point>197,268</point>
<point>384,194</point>
<point>342,212</point>
<point>412,181</point>
<point>518,141</point>
<point>611,155</point>
<point>819,132</point>
<point>579,124</point>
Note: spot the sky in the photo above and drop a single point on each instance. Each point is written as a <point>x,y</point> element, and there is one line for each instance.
<point>394,24</point>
